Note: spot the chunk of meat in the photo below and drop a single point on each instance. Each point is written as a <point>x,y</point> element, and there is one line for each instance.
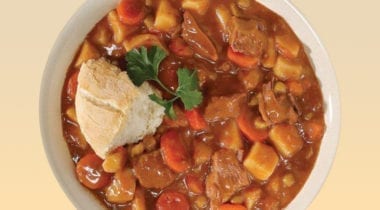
<point>197,39</point>
<point>152,172</point>
<point>275,109</point>
<point>224,107</point>
<point>246,37</point>
<point>227,176</point>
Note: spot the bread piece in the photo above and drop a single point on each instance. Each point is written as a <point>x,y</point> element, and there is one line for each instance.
<point>111,110</point>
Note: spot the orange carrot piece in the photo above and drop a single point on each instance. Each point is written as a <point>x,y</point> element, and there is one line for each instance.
<point>242,60</point>
<point>232,207</point>
<point>171,200</point>
<point>196,120</point>
<point>173,152</point>
<point>131,12</point>
<point>247,127</point>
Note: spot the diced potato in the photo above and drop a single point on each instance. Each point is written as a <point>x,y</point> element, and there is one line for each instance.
<point>87,52</point>
<point>270,54</point>
<point>286,139</point>
<point>115,161</point>
<point>288,45</point>
<point>251,78</point>
<point>199,6</point>
<point>244,4</point>
<point>201,201</point>
<point>237,199</point>
<point>286,69</point>
<point>149,22</point>
<point>71,114</point>
<point>314,130</point>
<point>139,202</point>
<point>146,40</point>
<point>120,31</point>
<point>230,137</point>
<point>149,143</point>
<point>223,15</point>
<point>260,123</point>
<point>137,149</point>
<point>279,87</point>
<point>122,188</point>
<point>251,196</point>
<point>288,180</point>
<point>253,101</point>
<point>167,17</point>
<point>202,152</point>
<point>101,36</point>
<point>261,161</point>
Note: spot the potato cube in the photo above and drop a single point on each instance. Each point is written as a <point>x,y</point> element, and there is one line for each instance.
<point>288,45</point>
<point>115,161</point>
<point>286,139</point>
<point>280,87</point>
<point>71,114</point>
<point>137,149</point>
<point>199,6</point>
<point>202,152</point>
<point>261,161</point>
<point>230,137</point>
<point>251,78</point>
<point>223,16</point>
<point>101,35</point>
<point>146,40</point>
<point>87,52</point>
<point>167,17</point>
<point>122,188</point>
<point>120,31</point>
<point>286,69</point>
<point>251,196</point>
<point>270,55</point>
<point>288,180</point>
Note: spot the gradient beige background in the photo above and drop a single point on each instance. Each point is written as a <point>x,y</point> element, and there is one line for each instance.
<point>349,29</point>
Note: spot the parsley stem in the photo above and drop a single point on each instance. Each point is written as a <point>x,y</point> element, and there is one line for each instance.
<point>165,88</point>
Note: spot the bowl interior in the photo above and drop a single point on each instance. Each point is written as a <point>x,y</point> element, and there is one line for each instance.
<point>83,21</point>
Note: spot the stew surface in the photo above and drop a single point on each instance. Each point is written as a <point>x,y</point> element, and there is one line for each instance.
<point>250,143</point>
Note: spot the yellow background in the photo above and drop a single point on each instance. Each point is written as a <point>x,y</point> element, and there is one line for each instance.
<point>349,29</point>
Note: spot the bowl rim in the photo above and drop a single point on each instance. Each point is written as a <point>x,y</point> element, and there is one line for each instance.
<point>82,199</point>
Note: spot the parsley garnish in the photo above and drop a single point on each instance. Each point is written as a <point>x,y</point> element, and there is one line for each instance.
<point>143,65</point>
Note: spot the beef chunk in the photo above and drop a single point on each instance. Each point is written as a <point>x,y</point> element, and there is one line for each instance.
<point>227,176</point>
<point>247,37</point>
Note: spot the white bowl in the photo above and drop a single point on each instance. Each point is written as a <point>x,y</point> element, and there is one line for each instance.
<point>74,33</point>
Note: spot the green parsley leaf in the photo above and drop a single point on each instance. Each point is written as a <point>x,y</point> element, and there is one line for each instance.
<point>168,105</point>
<point>188,88</point>
<point>143,65</point>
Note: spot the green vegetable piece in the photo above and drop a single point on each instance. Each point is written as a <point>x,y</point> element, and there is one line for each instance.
<point>143,65</point>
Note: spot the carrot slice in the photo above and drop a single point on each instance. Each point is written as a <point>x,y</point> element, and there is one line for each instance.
<point>131,12</point>
<point>242,60</point>
<point>196,120</point>
<point>232,207</point>
<point>172,200</point>
<point>90,172</point>
<point>247,127</point>
<point>173,152</point>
